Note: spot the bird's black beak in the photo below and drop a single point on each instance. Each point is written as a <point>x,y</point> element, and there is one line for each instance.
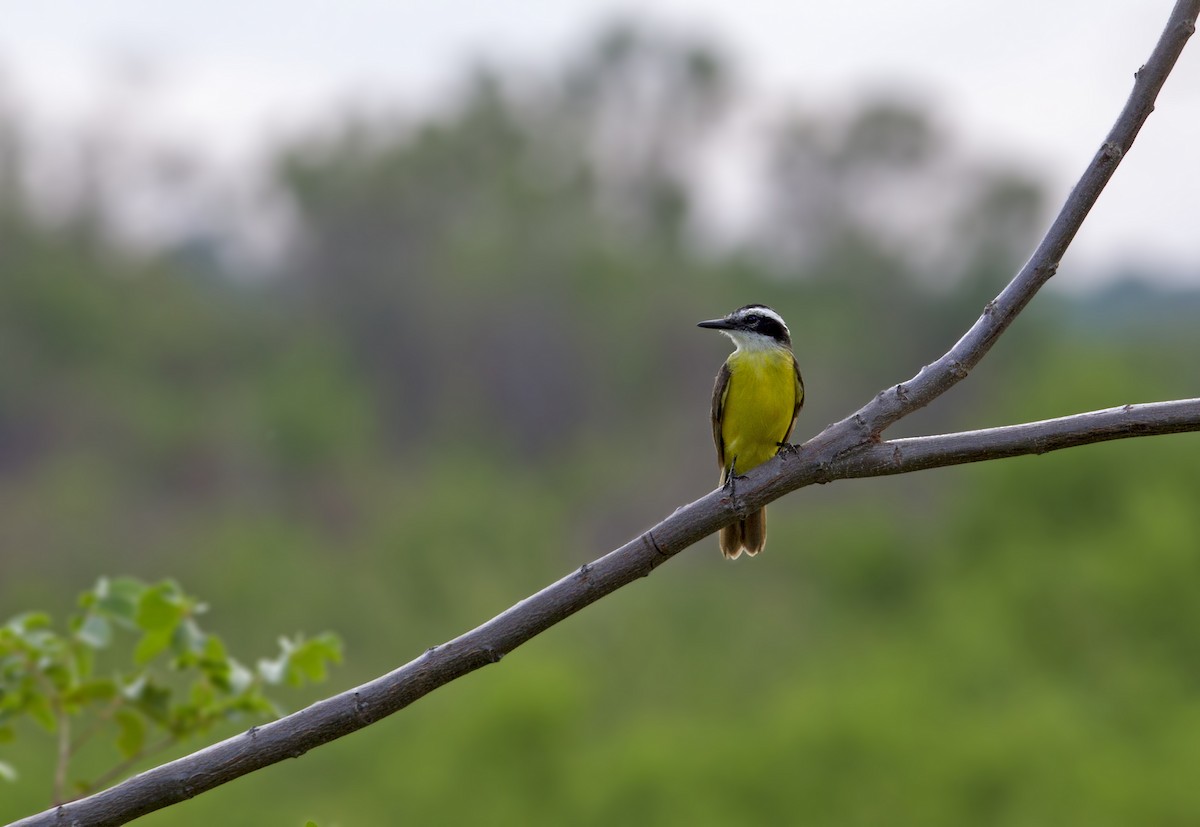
<point>716,324</point>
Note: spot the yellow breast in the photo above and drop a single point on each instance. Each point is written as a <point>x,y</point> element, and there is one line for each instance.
<point>759,405</point>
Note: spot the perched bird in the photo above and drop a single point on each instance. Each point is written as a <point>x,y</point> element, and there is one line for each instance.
<point>755,401</point>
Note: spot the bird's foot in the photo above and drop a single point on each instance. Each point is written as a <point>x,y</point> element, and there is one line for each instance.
<point>731,476</point>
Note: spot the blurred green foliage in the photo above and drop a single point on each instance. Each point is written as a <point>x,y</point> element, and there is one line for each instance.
<point>180,682</point>
<point>475,368</point>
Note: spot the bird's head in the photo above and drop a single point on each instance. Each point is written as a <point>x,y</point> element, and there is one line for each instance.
<point>753,326</point>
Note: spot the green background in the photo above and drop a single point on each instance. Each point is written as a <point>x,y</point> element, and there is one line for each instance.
<point>474,367</point>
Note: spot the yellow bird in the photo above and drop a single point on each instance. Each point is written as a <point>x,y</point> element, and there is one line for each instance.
<point>755,401</point>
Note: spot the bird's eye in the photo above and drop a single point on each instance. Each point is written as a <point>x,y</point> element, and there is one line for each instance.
<point>753,319</point>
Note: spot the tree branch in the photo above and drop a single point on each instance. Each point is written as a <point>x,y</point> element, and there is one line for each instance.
<point>934,380</point>
<point>849,448</point>
<point>900,456</point>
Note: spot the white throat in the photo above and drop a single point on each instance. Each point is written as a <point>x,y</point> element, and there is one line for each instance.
<point>743,340</point>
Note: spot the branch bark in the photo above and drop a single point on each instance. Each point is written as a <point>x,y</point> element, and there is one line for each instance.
<point>900,456</point>
<point>849,448</point>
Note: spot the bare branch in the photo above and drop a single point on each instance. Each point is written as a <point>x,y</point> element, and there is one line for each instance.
<point>934,380</point>
<point>899,456</point>
<point>850,448</point>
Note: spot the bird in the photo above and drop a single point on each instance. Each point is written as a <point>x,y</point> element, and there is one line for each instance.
<point>755,402</point>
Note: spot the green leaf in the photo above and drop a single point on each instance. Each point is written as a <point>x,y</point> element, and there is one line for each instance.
<point>214,649</point>
<point>202,695</point>
<point>161,608</point>
<point>22,624</point>
<point>95,631</point>
<point>38,708</point>
<point>309,658</point>
<point>15,697</point>
<point>302,659</point>
<point>117,598</point>
<point>85,661</point>
<point>135,687</point>
<point>56,671</point>
<point>151,644</point>
<point>188,638</point>
<point>253,701</point>
<point>131,732</point>
<point>100,689</point>
<point>152,699</point>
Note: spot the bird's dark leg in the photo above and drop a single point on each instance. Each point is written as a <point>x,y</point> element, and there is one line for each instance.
<point>787,448</point>
<point>730,476</point>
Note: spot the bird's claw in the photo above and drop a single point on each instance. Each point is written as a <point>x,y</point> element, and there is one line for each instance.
<point>730,476</point>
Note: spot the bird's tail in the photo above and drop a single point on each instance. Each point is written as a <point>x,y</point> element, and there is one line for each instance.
<point>749,535</point>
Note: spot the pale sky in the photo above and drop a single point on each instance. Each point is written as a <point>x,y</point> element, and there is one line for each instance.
<point>1040,80</point>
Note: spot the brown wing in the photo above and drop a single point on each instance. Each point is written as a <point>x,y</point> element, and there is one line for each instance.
<point>720,389</point>
<point>799,399</point>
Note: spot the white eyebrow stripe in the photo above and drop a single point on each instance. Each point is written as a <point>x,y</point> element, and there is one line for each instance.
<point>765,311</point>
